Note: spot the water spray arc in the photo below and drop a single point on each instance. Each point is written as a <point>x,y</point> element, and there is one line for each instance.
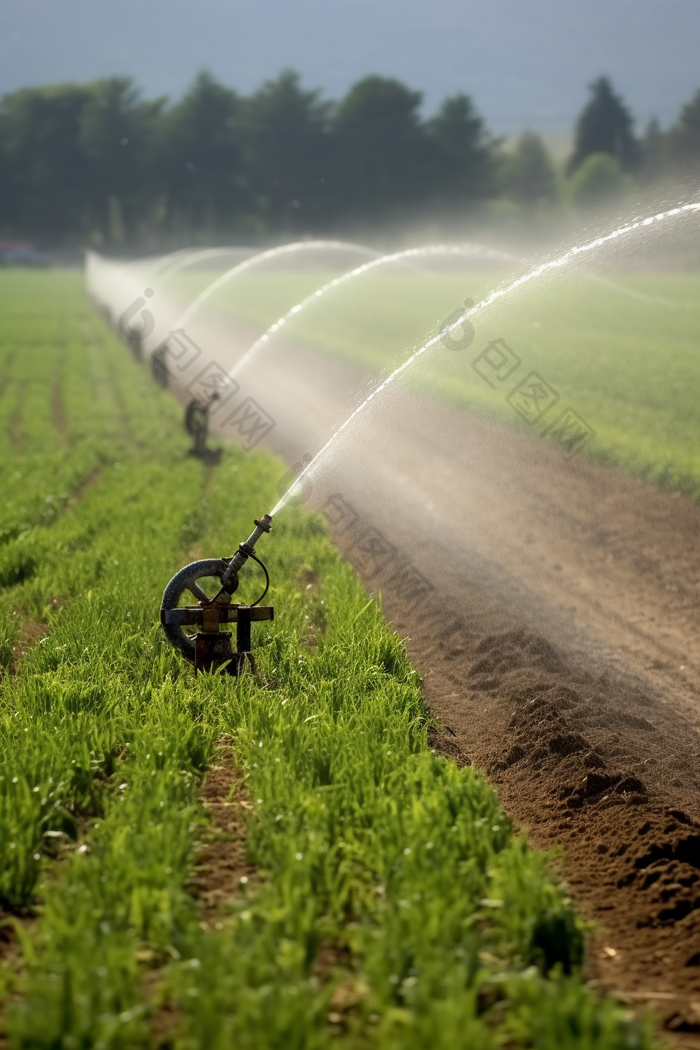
<point>209,649</point>
<point>189,257</point>
<point>98,269</point>
<point>499,293</point>
<point>384,260</point>
<point>255,260</point>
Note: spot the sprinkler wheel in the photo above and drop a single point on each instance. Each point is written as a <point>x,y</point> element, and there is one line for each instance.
<point>209,649</point>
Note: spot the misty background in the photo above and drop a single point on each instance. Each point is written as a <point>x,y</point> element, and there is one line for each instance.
<point>149,126</point>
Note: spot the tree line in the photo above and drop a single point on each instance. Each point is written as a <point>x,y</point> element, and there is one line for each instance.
<point>99,164</point>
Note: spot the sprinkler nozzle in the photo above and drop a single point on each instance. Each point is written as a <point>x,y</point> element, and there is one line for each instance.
<point>246,549</point>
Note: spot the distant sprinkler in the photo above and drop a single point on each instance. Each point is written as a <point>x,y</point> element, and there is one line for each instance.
<point>135,344</point>
<point>209,649</point>
<point>136,331</point>
<point>159,369</point>
<point>197,425</point>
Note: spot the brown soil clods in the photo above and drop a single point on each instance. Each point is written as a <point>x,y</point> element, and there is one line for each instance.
<point>633,861</point>
<point>566,748</point>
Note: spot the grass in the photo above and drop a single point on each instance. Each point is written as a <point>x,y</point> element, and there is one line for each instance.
<point>618,351</point>
<point>441,925</point>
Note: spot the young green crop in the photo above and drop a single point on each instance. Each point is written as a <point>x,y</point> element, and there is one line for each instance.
<point>445,928</point>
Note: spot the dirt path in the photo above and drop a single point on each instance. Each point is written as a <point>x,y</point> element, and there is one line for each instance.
<point>551,606</point>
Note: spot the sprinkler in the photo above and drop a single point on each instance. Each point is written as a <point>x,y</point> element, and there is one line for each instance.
<point>197,424</point>
<point>159,369</point>
<point>135,344</point>
<point>210,648</point>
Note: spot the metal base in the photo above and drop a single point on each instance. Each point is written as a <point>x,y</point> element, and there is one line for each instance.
<point>213,652</point>
<point>210,456</point>
<point>212,647</point>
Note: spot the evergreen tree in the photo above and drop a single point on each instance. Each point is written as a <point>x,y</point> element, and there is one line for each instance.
<point>116,137</point>
<point>604,126</point>
<point>462,153</point>
<point>97,163</point>
<point>200,160</point>
<point>287,152</point>
<point>44,167</point>
<point>685,136</point>
<point>380,155</point>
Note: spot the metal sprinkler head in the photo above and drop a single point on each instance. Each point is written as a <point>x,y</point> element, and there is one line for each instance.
<point>159,367</point>
<point>197,424</point>
<point>210,648</point>
<point>135,344</point>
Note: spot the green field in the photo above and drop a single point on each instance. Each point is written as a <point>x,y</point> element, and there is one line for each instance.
<point>371,319</point>
<point>389,903</point>
<point>624,352</point>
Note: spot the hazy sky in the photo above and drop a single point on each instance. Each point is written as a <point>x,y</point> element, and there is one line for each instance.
<point>524,63</point>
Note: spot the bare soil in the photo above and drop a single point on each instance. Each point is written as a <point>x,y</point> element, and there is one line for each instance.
<point>222,864</point>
